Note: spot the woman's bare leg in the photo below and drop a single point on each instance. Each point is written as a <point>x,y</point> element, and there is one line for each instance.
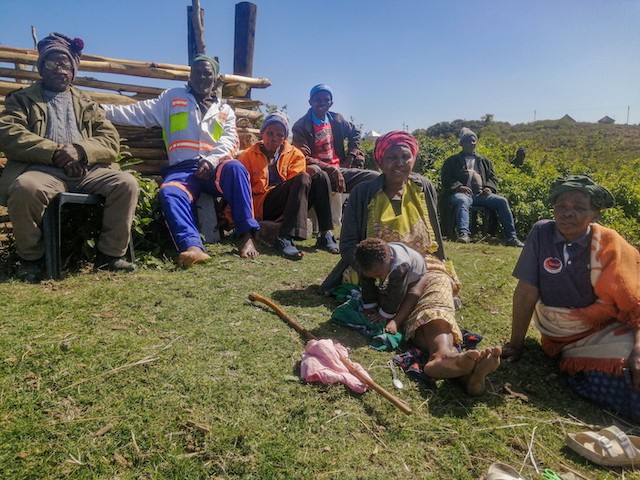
<point>445,361</point>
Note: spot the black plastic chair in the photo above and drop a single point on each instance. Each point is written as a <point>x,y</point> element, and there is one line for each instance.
<point>52,229</point>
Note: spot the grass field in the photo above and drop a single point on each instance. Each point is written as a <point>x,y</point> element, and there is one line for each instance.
<point>174,374</point>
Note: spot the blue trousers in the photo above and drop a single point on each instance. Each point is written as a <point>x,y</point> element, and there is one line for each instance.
<point>463,202</point>
<point>180,190</point>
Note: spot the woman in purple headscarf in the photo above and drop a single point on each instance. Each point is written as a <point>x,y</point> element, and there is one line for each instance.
<point>400,206</point>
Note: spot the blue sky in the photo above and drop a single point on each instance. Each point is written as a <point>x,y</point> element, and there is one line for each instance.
<point>391,63</point>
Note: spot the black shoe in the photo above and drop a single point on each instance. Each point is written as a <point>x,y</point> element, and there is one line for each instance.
<point>464,238</point>
<point>113,264</point>
<point>514,242</point>
<point>30,271</point>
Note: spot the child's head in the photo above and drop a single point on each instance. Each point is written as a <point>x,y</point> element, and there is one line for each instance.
<point>373,255</point>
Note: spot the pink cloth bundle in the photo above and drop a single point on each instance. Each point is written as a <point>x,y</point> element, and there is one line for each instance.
<point>321,363</point>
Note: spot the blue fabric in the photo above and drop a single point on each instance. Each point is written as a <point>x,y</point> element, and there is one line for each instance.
<point>317,121</point>
<point>616,393</point>
<point>462,202</point>
<point>178,209</point>
<point>321,87</point>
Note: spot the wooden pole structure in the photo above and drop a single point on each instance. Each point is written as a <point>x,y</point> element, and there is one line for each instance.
<point>245,35</point>
<point>195,30</point>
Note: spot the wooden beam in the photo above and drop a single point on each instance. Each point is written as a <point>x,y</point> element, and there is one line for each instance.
<point>33,55</point>
<point>251,81</point>
<point>94,63</point>
<point>86,82</point>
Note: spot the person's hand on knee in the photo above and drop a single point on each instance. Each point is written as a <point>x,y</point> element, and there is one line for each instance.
<point>204,170</point>
<point>75,169</point>
<point>336,178</point>
<point>464,189</point>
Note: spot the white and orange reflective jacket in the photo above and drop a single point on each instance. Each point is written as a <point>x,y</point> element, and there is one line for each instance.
<point>187,134</point>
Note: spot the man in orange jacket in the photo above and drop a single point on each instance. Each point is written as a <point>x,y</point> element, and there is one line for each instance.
<point>282,189</point>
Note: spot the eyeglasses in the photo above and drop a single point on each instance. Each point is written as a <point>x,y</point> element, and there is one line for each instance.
<point>52,65</point>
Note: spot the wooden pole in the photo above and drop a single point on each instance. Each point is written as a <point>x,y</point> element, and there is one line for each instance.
<point>96,63</point>
<point>401,405</point>
<point>245,35</point>
<point>195,30</point>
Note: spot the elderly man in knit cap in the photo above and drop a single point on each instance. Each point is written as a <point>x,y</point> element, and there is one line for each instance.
<point>282,189</point>
<point>56,139</point>
<point>201,140</point>
<point>468,179</point>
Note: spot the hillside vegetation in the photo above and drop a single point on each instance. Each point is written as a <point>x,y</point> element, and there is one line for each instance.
<point>610,154</point>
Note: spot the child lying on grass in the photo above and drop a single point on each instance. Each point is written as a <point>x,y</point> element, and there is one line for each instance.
<point>400,270</point>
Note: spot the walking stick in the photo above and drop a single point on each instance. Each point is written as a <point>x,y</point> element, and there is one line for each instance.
<point>254,297</point>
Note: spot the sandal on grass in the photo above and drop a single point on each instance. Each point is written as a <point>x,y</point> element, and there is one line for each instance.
<point>609,447</point>
<point>328,242</point>
<point>286,247</point>
<point>501,471</point>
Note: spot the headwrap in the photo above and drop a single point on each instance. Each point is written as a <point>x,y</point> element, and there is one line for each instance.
<point>201,57</point>
<point>391,139</point>
<point>321,87</point>
<point>467,132</point>
<point>57,42</point>
<point>600,196</point>
<point>276,117</point>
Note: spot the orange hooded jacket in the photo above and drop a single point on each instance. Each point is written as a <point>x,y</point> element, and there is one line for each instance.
<point>290,163</point>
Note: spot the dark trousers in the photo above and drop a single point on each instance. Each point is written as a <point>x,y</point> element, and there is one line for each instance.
<point>292,199</point>
<point>352,176</point>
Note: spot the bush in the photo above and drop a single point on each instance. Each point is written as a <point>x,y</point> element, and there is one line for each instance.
<point>527,187</point>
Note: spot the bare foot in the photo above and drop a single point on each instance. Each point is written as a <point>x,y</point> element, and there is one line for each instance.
<point>247,247</point>
<point>488,362</point>
<point>455,365</point>
<point>191,256</point>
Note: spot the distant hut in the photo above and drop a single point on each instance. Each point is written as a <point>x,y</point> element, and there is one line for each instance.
<point>371,135</point>
<point>567,118</point>
<point>607,120</point>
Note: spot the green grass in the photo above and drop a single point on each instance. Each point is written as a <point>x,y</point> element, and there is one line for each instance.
<point>187,379</point>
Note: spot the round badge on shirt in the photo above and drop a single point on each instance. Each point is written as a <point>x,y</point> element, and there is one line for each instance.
<point>552,265</point>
